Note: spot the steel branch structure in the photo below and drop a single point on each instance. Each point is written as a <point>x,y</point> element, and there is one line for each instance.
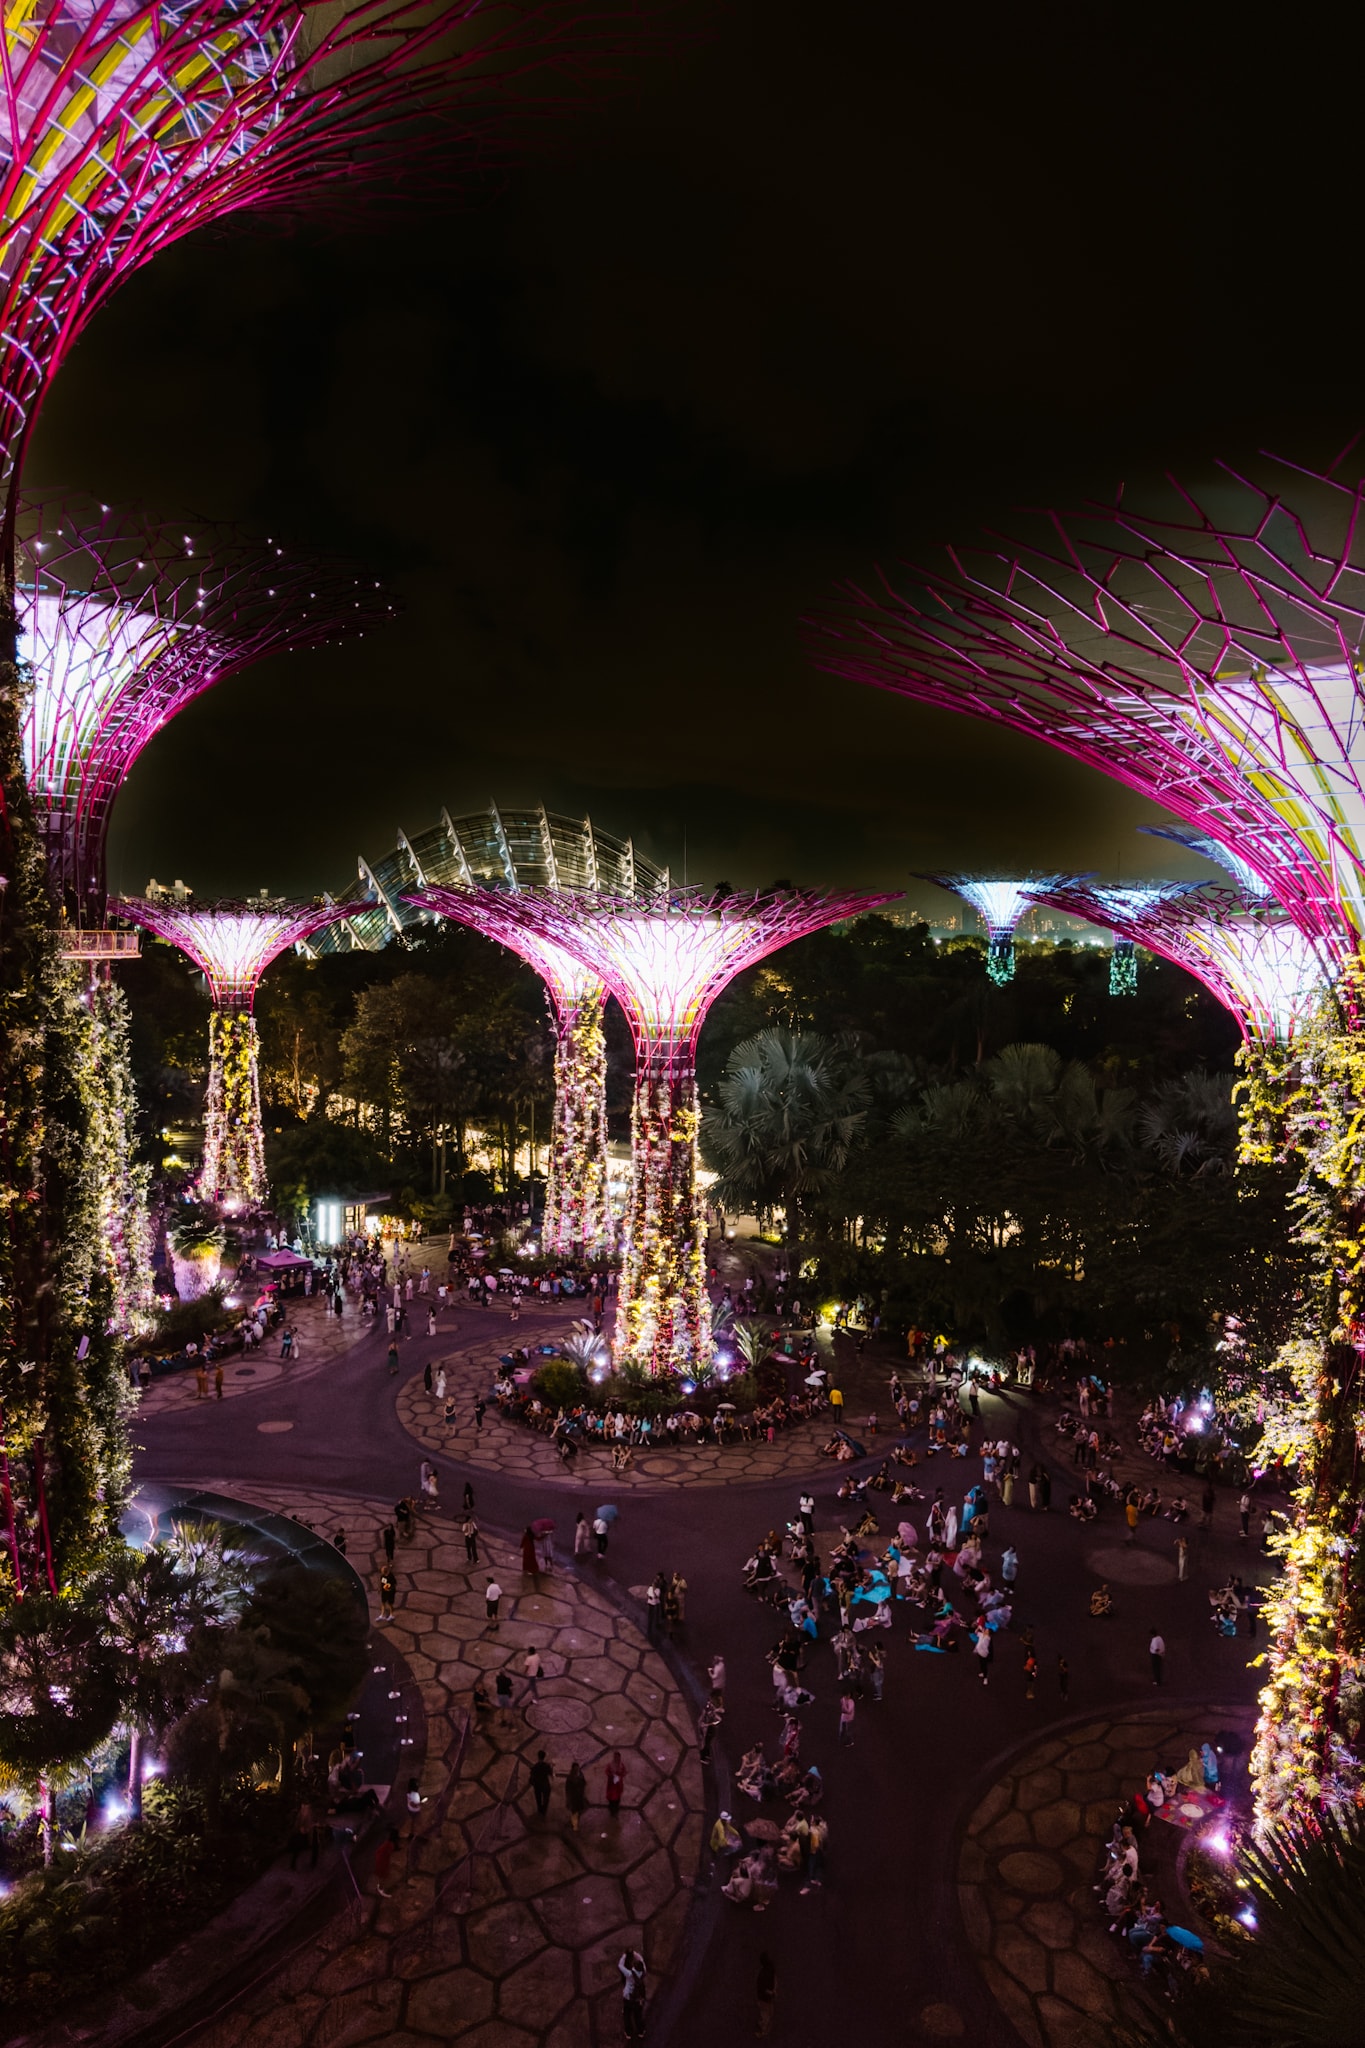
<point>1210,661</point>
<point>666,959</point>
<point>232,944</point>
<point>123,625</point>
<point>463,868</point>
<point>1000,905</point>
<point>130,123</point>
<point>1250,956</point>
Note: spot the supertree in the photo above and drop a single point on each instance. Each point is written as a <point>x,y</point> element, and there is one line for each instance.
<point>666,959</point>
<point>1249,955</point>
<point>231,944</point>
<point>1252,885</point>
<point>1211,660</point>
<point>450,871</point>
<point>124,625</point>
<point>1000,905</point>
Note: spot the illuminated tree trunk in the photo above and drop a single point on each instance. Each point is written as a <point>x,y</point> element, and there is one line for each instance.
<point>233,1167</point>
<point>663,1316</point>
<point>577,1216</point>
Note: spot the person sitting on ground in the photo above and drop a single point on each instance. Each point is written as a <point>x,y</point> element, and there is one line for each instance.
<point>1101,1602</point>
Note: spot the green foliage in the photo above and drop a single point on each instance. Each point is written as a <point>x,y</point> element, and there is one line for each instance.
<point>319,1626</point>
<point>191,1321</point>
<point>789,1109</point>
<point>58,1683</point>
<point>104,1909</point>
<point>559,1383</point>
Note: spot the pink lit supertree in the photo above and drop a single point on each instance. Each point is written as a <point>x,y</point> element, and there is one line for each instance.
<point>1248,954</point>
<point>130,123</point>
<point>1209,656</point>
<point>231,944</point>
<point>666,959</point>
<point>464,867</point>
<point>124,625</point>
<point>1000,904</point>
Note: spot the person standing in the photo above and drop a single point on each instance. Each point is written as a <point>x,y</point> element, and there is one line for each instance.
<point>1206,1505</point>
<point>601,1528</point>
<point>582,1536</point>
<point>201,1380</point>
<point>480,1407</point>
<point>388,1591</point>
<point>469,1529</point>
<point>531,1670</point>
<point>615,1785</point>
<point>766,1992</point>
<point>847,1711</point>
<point>218,1382</point>
<point>1156,1650</point>
<point>393,1358</point>
<point>1009,1565</point>
<point>1030,1671</point>
<point>530,1564</point>
<point>1130,1516</point>
<point>1182,1558</point>
<point>1063,1677</point>
<point>575,1793</point>
<point>816,1837</point>
<point>981,1647</point>
<point>502,1685</point>
<point>388,1535</point>
<point>876,1669</point>
<point>1035,1479</point>
<point>654,1607</point>
<point>541,1775</point>
<point>1244,1516</point>
<point>426,1375</point>
<point>806,1512</point>
<point>492,1594</point>
<point>383,1859</point>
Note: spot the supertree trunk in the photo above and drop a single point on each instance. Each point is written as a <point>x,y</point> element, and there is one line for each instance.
<point>663,1316</point>
<point>577,1215</point>
<point>233,1166</point>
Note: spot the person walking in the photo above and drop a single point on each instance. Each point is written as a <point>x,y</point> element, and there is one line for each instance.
<point>502,1685</point>
<point>531,1672</point>
<point>1244,1516</point>
<point>582,1536</point>
<point>632,1968</point>
<point>530,1563</point>
<point>615,1785</point>
<point>847,1710</point>
<point>601,1529</point>
<point>675,1603</point>
<point>218,1381</point>
<point>1182,1557</point>
<point>469,1529</point>
<point>575,1794</point>
<point>388,1592</point>
<point>1130,1516</point>
<point>817,1835</point>
<point>480,1409</point>
<point>393,1359</point>
<point>806,1512</point>
<point>426,1376</point>
<point>981,1647</point>
<point>541,1775</point>
<point>876,1669</point>
<point>1030,1671</point>
<point>1156,1650</point>
<point>492,1594</point>
<point>201,1380</point>
<point>389,1539</point>
<point>654,1607</point>
<point>765,1992</point>
<point>383,1859</point>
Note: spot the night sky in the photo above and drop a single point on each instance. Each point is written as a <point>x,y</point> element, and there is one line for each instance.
<point>828,286</point>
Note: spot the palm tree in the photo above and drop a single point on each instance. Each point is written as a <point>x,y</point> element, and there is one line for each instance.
<point>147,1606</point>
<point>791,1105</point>
<point>1191,1124</point>
<point>57,1692</point>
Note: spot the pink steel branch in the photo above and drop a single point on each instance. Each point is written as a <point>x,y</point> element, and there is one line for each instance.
<point>124,625</point>
<point>129,124</point>
<point>1210,664</point>
<point>231,944</point>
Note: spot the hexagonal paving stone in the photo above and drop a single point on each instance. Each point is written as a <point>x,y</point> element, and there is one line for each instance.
<point>450,2002</point>
<point>538,1992</point>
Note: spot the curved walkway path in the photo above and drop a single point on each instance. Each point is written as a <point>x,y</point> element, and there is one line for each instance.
<point>503,1929</point>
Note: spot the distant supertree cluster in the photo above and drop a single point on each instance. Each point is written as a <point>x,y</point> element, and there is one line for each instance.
<point>666,959</point>
<point>123,625</point>
<point>1000,904</point>
<point>231,944</point>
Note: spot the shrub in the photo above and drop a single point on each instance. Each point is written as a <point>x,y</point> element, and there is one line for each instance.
<point>559,1384</point>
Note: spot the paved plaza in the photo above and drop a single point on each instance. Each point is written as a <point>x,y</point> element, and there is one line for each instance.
<point>945,1813</point>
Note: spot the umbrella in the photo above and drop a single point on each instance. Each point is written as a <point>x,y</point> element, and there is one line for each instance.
<point>817,1379</point>
<point>543,1526</point>
<point>607,1514</point>
<point>763,1830</point>
<point>1184,1939</point>
<point>725,1407</point>
<point>852,1442</point>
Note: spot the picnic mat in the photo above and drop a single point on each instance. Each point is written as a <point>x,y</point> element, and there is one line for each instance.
<point>1188,1809</point>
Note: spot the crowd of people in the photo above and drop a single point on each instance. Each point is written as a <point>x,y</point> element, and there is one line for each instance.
<point>1164,1951</point>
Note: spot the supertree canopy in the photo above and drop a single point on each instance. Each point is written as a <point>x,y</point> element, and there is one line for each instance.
<point>1000,905</point>
<point>458,869</point>
<point>231,944</point>
<point>1250,956</point>
<point>131,123</point>
<point>1252,885</point>
<point>124,625</point>
<point>1210,658</point>
<point>666,958</point>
